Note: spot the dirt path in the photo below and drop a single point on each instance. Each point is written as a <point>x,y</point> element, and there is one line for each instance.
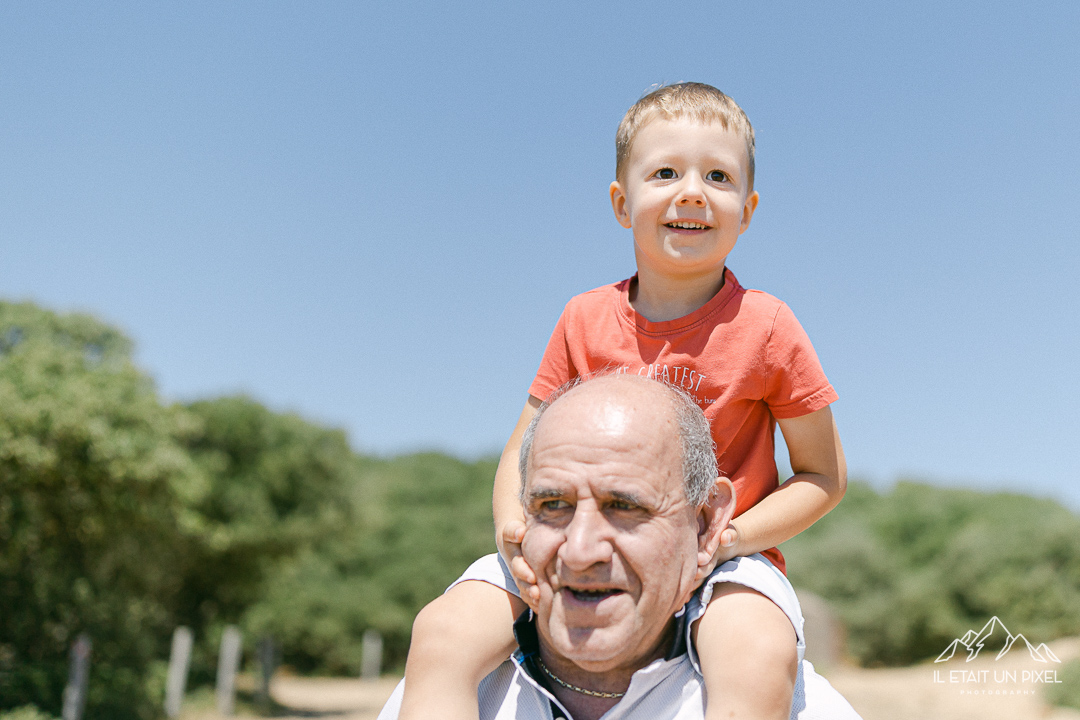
<point>980,690</point>
<point>330,698</point>
<point>335,698</point>
<point>893,694</point>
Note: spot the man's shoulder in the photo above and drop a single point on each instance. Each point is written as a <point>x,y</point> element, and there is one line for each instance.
<point>506,693</point>
<point>503,694</point>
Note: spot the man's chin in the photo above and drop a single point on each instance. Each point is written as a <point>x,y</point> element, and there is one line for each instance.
<point>593,635</point>
<point>591,649</point>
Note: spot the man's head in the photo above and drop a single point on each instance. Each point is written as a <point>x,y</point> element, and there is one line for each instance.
<point>684,179</point>
<point>616,472</point>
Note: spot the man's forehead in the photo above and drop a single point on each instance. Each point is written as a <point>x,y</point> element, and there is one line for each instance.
<point>617,406</point>
<point>626,425</point>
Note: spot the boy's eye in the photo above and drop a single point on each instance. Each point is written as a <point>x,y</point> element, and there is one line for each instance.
<point>665,173</point>
<point>718,176</point>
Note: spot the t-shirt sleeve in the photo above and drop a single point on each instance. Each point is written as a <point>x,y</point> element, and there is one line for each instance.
<point>557,366</point>
<point>795,384</point>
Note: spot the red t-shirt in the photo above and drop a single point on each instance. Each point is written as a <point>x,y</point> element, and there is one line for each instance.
<point>743,356</point>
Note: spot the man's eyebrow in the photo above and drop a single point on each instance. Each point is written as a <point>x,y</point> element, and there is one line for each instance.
<point>628,497</point>
<point>544,494</point>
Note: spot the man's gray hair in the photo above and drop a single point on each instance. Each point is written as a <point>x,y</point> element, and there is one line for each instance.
<point>698,449</point>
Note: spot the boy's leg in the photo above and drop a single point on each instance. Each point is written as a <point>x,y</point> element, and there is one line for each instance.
<point>748,653</point>
<point>457,640</point>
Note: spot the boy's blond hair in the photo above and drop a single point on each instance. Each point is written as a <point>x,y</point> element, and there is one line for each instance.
<point>699,101</point>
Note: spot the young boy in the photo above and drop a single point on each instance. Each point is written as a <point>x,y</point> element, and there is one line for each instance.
<point>684,186</point>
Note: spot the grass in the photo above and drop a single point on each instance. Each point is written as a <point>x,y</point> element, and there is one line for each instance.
<point>1066,693</point>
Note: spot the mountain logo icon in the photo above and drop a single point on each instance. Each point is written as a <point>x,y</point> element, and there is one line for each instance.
<point>994,630</point>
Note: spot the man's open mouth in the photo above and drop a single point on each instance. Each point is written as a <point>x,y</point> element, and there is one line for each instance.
<point>592,595</point>
<point>687,225</point>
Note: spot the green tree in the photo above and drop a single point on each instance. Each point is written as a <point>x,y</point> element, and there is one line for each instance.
<point>911,569</point>
<point>418,521</point>
<point>93,490</point>
<point>122,517</point>
<point>1065,692</point>
<point>278,486</point>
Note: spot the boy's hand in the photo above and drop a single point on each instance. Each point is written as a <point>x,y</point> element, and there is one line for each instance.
<point>513,533</point>
<point>729,545</point>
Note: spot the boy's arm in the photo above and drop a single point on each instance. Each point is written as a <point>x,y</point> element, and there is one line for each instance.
<point>457,639</point>
<point>820,479</point>
<point>506,501</point>
<point>742,624</point>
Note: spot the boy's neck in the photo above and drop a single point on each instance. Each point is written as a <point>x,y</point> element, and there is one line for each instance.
<point>660,298</point>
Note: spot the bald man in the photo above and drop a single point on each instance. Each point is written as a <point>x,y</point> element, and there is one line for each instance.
<point>615,474</point>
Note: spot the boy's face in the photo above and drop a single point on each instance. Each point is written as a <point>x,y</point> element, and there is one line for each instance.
<point>684,194</point>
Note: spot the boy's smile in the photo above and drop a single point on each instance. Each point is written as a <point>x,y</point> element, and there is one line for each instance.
<point>685,194</point>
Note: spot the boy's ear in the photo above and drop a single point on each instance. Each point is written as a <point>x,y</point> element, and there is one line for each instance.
<point>618,204</point>
<point>713,519</point>
<point>748,211</point>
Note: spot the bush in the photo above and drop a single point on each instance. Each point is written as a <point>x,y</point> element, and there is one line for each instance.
<point>123,518</point>
<point>419,521</point>
<point>1067,693</point>
<point>278,487</point>
<point>26,712</point>
<point>912,569</point>
<point>92,488</point>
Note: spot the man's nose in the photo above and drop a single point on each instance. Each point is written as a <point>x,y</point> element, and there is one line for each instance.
<point>587,541</point>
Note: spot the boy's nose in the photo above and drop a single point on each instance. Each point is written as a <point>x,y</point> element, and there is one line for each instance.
<point>696,201</point>
<point>691,194</point>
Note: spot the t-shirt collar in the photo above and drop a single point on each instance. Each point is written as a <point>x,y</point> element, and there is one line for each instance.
<point>644,325</point>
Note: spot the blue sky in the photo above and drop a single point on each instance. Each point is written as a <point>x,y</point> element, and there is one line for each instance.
<point>372,214</point>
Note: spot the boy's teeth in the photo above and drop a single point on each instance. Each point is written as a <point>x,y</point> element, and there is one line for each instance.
<point>687,225</point>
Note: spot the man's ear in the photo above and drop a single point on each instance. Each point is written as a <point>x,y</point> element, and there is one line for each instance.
<point>618,204</point>
<point>713,519</point>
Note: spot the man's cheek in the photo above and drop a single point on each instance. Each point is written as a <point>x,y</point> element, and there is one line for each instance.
<point>538,547</point>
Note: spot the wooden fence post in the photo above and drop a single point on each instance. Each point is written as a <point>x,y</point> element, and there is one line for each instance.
<point>267,665</point>
<point>228,664</point>
<point>371,661</point>
<point>179,662</point>
<point>78,677</point>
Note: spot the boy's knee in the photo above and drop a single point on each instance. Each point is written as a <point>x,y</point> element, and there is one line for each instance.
<point>774,651</point>
<point>473,618</point>
<point>437,625</point>
<point>426,624</point>
<point>756,630</point>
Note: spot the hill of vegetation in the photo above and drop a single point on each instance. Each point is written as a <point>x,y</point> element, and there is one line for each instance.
<point>123,516</point>
<point>913,568</point>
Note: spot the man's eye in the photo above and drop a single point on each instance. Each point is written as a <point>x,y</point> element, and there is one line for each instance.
<point>718,176</point>
<point>665,173</point>
<point>554,505</point>
<point>622,505</point>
